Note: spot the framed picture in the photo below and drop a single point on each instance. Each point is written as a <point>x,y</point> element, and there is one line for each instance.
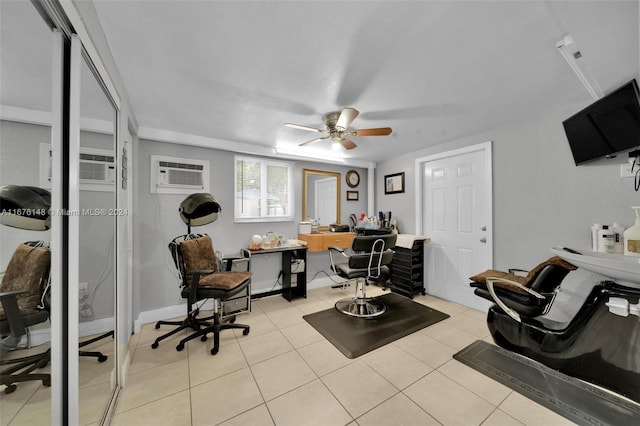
<point>394,184</point>
<point>352,195</point>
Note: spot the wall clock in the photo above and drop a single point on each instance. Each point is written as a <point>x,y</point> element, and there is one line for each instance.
<point>353,178</point>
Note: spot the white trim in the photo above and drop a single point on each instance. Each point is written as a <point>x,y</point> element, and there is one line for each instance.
<point>166,313</point>
<point>78,25</point>
<point>57,329</point>
<point>43,118</point>
<point>73,230</point>
<point>88,328</point>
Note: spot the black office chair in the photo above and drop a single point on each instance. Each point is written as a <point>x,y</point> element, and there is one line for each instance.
<point>369,259</point>
<point>22,294</point>
<point>527,295</point>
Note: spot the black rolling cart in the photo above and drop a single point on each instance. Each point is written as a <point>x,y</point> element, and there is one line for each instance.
<point>407,268</point>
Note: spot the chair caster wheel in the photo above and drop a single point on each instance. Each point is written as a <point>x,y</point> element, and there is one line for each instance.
<point>157,326</point>
<point>245,331</point>
<point>102,358</point>
<point>214,350</point>
<point>154,345</point>
<point>203,338</point>
<point>232,320</point>
<point>10,389</point>
<point>179,347</point>
<point>46,382</point>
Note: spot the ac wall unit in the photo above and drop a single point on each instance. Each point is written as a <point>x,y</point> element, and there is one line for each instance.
<point>97,168</point>
<point>171,175</point>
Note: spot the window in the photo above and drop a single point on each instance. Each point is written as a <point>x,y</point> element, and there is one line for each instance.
<point>263,190</point>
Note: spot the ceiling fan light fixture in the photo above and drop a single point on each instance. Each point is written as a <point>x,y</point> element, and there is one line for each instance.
<point>336,146</point>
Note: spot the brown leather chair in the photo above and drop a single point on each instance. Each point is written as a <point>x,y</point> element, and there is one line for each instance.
<point>22,291</point>
<point>517,294</point>
<point>201,277</point>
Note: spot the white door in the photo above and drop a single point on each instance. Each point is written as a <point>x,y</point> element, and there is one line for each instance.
<point>325,202</point>
<point>456,214</point>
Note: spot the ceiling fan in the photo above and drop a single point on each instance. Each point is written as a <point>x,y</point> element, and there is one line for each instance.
<point>337,129</point>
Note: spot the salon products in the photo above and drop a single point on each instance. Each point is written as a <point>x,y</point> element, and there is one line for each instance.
<point>606,240</point>
<point>632,236</point>
<point>618,231</point>
<point>594,235</point>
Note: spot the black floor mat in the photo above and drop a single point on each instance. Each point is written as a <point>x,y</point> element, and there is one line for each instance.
<point>574,399</point>
<point>357,336</point>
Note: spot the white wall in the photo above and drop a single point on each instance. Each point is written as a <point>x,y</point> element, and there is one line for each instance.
<point>157,222</point>
<point>540,198</point>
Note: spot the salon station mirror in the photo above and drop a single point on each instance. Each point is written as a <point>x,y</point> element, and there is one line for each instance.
<point>321,196</point>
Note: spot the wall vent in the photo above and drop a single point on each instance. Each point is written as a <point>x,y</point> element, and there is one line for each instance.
<point>97,168</point>
<point>178,175</point>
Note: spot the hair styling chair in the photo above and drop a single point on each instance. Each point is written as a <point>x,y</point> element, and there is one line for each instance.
<point>599,344</point>
<point>202,276</point>
<point>369,261</point>
<point>22,292</point>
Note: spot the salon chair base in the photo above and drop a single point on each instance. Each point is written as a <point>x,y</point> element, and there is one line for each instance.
<point>19,370</point>
<point>596,346</point>
<point>361,307</point>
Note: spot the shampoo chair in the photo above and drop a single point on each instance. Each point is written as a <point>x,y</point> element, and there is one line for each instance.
<point>595,345</point>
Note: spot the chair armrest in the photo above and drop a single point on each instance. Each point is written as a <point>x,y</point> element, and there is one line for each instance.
<point>14,293</point>
<point>197,273</point>
<point>338,249</point>
<point>513,314</point>
<point>12,311</point>
<point>517,284</point>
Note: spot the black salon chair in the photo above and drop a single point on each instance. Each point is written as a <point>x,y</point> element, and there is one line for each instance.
<point>22,292</point>
<point>369,260</point>
<point>202,276</point>
<point>519,295</point>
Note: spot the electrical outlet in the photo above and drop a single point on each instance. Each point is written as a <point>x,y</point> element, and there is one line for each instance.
<point>625,170</point>
<point>83,289</point>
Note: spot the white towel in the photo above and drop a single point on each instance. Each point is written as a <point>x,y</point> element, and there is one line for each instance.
<point>407,240</point>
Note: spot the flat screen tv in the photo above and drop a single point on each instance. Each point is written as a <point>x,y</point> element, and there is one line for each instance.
<point>608,126</point>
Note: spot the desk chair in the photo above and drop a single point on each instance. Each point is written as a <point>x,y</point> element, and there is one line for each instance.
<point>369,261</point>
<point>201,278</point>
<point>23,286</point>
<point>527,295</point>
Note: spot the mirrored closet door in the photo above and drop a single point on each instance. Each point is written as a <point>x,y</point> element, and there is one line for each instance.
<point>27,58</point>
<point>96,243</point>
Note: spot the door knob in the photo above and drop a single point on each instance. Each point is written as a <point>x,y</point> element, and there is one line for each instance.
<point>483,240</point>
<point>484,228</point>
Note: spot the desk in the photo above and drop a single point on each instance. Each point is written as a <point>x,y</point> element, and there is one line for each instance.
<point>323,240</point>
<point>294,270</point>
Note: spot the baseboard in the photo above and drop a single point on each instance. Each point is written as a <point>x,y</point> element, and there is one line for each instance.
<point>40,336</point>
<point>154,315</point>
<point>176,311</point>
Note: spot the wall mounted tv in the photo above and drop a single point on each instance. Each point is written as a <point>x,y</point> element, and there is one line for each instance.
<point>608,126</point>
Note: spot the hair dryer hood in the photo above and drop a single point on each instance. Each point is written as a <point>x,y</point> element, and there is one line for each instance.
<point>25,207</point>
<point>199,209</point>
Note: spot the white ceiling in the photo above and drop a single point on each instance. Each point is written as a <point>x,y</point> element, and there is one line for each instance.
<point>432,70</point>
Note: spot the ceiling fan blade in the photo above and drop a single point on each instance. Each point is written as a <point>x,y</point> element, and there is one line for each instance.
<point>299,127</point>
<point>381,131</point>
<point>347,144</point>
<point>312,141</point>
<point>346,117</point>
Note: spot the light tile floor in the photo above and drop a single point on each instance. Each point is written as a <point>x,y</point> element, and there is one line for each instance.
<point>286,373</point>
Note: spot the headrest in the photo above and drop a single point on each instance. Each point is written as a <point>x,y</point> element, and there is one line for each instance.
<point>199,209</point>
<point>25,207</point>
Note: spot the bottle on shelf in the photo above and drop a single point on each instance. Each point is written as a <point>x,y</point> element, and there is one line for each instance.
<point>632,237</point>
